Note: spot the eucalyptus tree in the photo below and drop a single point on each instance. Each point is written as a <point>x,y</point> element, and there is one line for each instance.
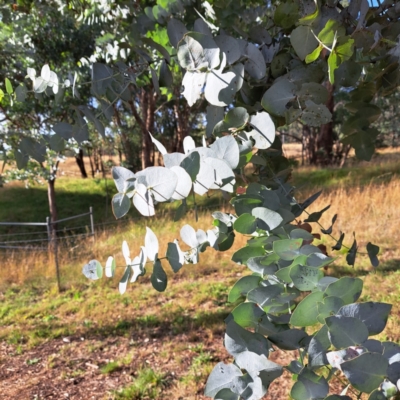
<point>259,67</point>
<point>39,34</point>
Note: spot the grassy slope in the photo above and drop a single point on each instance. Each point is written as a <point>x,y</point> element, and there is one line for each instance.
<point>195,301</point>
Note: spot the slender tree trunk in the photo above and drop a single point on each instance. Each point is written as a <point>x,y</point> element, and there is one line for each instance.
<point>91,163</point>
<point>325,139</point>
<point>51,196</point>
<point>125,140</point>
<point>182,124</point>
<point>81,164</point>
<point>147,105</point>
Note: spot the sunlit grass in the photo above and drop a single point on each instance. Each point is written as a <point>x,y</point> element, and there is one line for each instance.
<point>32,311</point>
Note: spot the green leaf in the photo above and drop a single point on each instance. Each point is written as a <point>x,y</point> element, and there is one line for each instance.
<point>328,307</point>
<point>303,41</point>
<point>313,91</point>
<point>351,255</point>
<point>1,95</point>
<point>315,114</point>
<point>346,331</point>
<point>165,75</point>
<point>315,216</point>
<point>159,278</point>
<point>20,93</point>
<point>286,14</point>
<point>242,287</point>
<point>366,372</point>
<point>246,224</point>
<point>348,289</point>
<point>306,312</point>
<point>242,255</point>
<point>287,249</point>
<point>339,243</point>
<point>247,314</point>
<point>314,55</point>
<point>310,19</point>
<point>329,230</point>
<point>333,65</point>
<point>332,29</point>
<point>373,251</point>
<point>9,87</point>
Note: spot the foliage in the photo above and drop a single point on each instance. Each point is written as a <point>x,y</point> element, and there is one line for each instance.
<point>254,80</point>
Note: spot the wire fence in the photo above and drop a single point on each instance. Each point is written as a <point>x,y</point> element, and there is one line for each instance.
<point>53,237</point>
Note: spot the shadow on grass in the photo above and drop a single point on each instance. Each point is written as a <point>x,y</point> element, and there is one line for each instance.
<point>385,266</point>
<point>151,326</point>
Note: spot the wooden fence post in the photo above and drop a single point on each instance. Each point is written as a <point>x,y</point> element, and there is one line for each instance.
<point>92,222</point>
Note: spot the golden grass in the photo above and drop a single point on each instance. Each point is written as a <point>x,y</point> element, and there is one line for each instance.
<point>371,211</point>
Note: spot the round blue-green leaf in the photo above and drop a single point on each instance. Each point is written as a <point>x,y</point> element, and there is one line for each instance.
<point>278,96</point>
<point>175,30</point>
<point>159,278</point>
<point>226,394</point>
<point>374,315</point>
<point>243,286</point>
<point>120,205</point>
<point>119,174</point>
<point>160,181</point>
<point>287,249</point>
<point>346,331</point>
<point>93,270</point>
<point>227,149</point>
<point>366,372</point>
<point>265,295</point>
<point>242,255</point>
<point>221,378</point>
<point>348,289</point>
<point>123,283</point>
<point>238,340</point>
<point>270,218</point>
<point>191,164</point>
<point>309,386</point>
<point>290,339</point>
<point>306,312</point>
<point>305,278</point>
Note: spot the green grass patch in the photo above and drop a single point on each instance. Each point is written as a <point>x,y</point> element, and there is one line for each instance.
<point>148,384</point>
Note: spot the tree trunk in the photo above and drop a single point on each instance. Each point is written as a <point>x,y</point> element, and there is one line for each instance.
<point>325,138</point>
<point>147,105</point>
<point>125,140</point>
<point>182,124</point>
<point>81,163</point>
<point>91,163</point>
<point>51,196</point>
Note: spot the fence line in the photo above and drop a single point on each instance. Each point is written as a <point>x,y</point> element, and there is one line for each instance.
<point>52,240</point>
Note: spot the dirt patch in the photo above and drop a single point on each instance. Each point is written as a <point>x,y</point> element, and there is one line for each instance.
<point>71,368</point>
